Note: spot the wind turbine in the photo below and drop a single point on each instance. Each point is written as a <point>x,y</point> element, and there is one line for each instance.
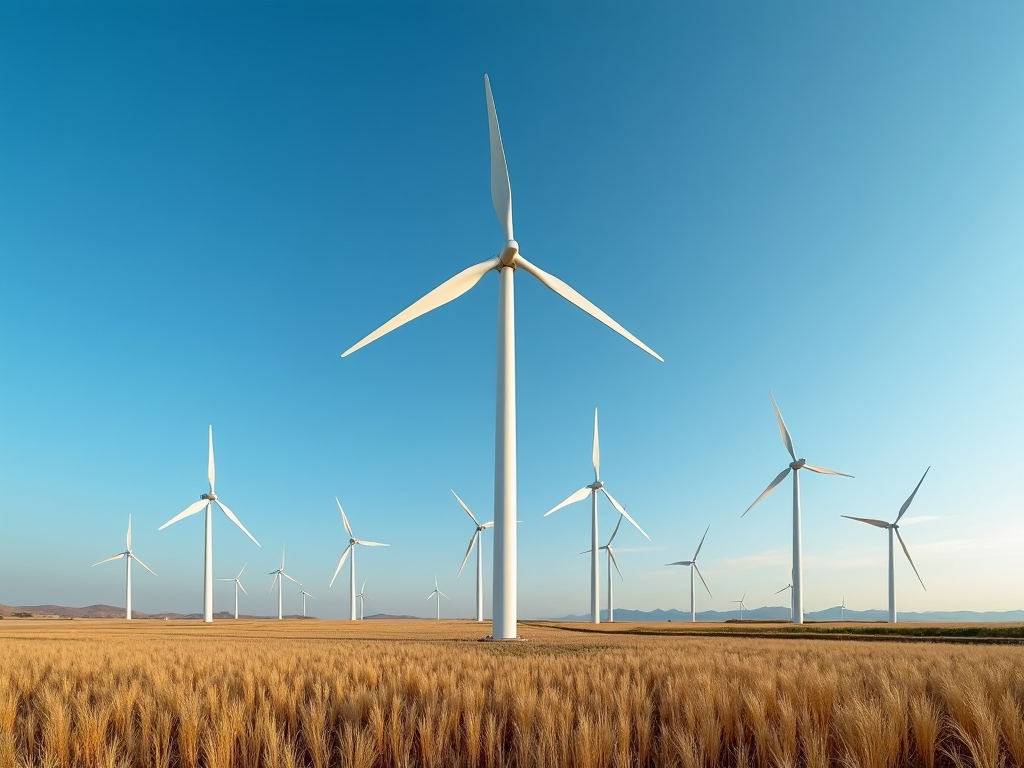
<point>894,527</point>
<point>279,583</point>
<point>352,542</point>
<point>611,562</point>
<point>475,539</point>
<point>693,567</point>
<point>743,605</point>
<point>305,594</point>
<point>361,597</point>
<point>789,587</point>
<point>438,594</point>
<point>238,585</point>
<point>795,466</point>
<point>128,556</point>
<point>506,263</point>
<point>591,490</point>
<point>842,610</point>
<point>206,501</point>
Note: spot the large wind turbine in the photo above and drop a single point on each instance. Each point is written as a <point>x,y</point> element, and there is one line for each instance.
<point>795,466</point>
<point>206,501</point>
<point>305,594</point>
<point>894,527</point>
<point>591,490</point>
<point>438,594</point>
<point>476,539</point>
<point>238,585</point>
<point>351,548</point>
<point>506,263</point>
<point>693,567</point>
<point>279,583</point>
<point>128,556</point>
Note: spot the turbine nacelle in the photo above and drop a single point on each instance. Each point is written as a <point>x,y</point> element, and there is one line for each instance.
<point>799,464</point>
<point>211,496</point>
<point>508,254</point>
<point>597,485</point>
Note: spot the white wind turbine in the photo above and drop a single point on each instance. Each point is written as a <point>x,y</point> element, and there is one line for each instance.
<point>795,466</point>
<point>361,597</point>
<point>506,263</point>
<point>279,583</point>
<point>305,594</point>
<point>351,548</point>
<point>476,539</point>
<point>238,585</point>
<point>438,594</point>
<point>206,501</point>
<point>591,490</point>
<point>842,610</point>
<point>128,556</point>
<point>693,567</point>
<point>611,562</point>
<point>790,588</point>
<point>742,604</point>
<point>894,527</point>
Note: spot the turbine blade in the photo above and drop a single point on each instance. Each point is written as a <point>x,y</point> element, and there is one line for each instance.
<point>442,594</point>
<point>191,509</point>
<point>501,189</point>
<point>491,524</point>
<point>363,588</point>
<point>588,551</point>
<point>289,577</point>
<point>449,290</point>
<point>463,505</point>
<point>596,455</point>
<point>624,513</point>
<point>211,473</point>
<point>788,586</point>
<point>681,562</point>
<point>118,556</point>
<point>236,521</point>
<point>243,589</point>
<point>907,553</point>
<point>344,519</point>
<point>869,521</point>
<point>769,489</point>
<point>371,543</point>
<point>136,559</point>
<point>274,582</point>
<point>701,542</point>
<point>128,538</point>
<point>240,572</point>
<point>614,533</point>
<point>472,540</point>
<point>694,566</point>
<point>573,297</point>
<point>825,471</point>
<point>786,439</point>
<point>904,508</point>
<point>344,557</point>
<point>579,495</point>
<point>611,556</point>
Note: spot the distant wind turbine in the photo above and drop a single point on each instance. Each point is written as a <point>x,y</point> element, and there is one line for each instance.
<point>206,501</point>
<point>591,490</point>
<point>693,567</point>
<point>742,604</point>
<point>611,562</point>
<point>279,583</point>
<point>238,585</point>
<point>305,594</point>
<point>842,610</point>
<point>894,527</point>
<point>438,594</point>
<point>476,538</point>
<point>794,467</point>
<point>789,587</point>
<point>361,597</point>
<point>351,549</point>
<point>128,556</point>
<point>506,263</point>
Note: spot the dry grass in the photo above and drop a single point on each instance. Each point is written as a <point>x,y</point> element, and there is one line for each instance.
<point>324,694</point>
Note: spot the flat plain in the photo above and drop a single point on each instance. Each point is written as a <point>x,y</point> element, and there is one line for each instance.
<point>426,693</point>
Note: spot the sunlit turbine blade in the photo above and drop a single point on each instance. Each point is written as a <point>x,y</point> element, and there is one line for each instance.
<point>907,553</point>
<point>614,532</point>
<point>869,521</point>
<point>701,542</point>
<point>344,519</point>
<point>136,559</point>
<point>371,543</point>
<point>573,297</point>
<point>786,439</point>
<point>624,513</point>
<point>824,471</point>
<point>491,524</point>
<point>442,594</point>
<point>242,588</point>
<point>449,290</point>
<point>472,540</point>
<point>236,521</point>
<point>191,509</point>
<point>344,557</point>
<point>769,489</point>
<point>579,495</point>
<point>128,538</point>
<point>363,588</point>
<point>501,189</point>
<point>904,508</point>
<point>463,505</point>
<point>704,582</point>
<point>211,473</point>
<point>289,577</point>
<point>615,563</point>
<point>240,572</point>
<point>596,456</point>
<point>273,584</point>
<point>118,556</point>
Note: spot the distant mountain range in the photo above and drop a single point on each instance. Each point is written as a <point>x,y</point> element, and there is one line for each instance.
<point>111,612</point>
<point>781,613</point>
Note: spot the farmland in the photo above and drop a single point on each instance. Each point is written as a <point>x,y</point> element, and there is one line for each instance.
<point>424,693</point>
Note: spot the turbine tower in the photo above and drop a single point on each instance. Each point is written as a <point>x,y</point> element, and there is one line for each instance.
<point>128,556</point>
<point>743,605</point>
<point>795,466</point>
<point>279,583</point>
<point>206,501</point>
<point>351,548</point>
<point>505,263</point>
<point>591,490</point>
<point>438,594</point>
<point>693,567</point>
<point>476,539</point>
<point>361,597</point>
<point>305,594</point>
<point>238,585</point>
<point>894,527</point>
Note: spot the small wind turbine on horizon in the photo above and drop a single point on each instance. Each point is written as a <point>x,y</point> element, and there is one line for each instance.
<point>305,594</point>
<point>438,594</point>
<point>238,585</point>
<point>611,562</point>
<point>206,501</point>
<point>279,583</point>
<point>894,527</point>
<point>505,263</point>
<point>842,610</point>
<point>742,604</point>
<point>351,549</point>
<point>591,490</point>
<point>128,556</point>
<point>795,466</point>
<point>693,567</point>
<point>477,539</point>
<point>361,596</point>
<point>789,587</point>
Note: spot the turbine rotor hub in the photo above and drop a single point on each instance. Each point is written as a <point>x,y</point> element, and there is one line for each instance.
<point>596,485</point>
<point>798,464</point>
<point>508,254</point>
<point>211,496</point>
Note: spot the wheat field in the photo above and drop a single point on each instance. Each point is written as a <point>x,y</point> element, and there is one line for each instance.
<point>418,693</point>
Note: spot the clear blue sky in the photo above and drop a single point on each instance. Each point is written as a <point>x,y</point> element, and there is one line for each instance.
<point>203,204</point>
